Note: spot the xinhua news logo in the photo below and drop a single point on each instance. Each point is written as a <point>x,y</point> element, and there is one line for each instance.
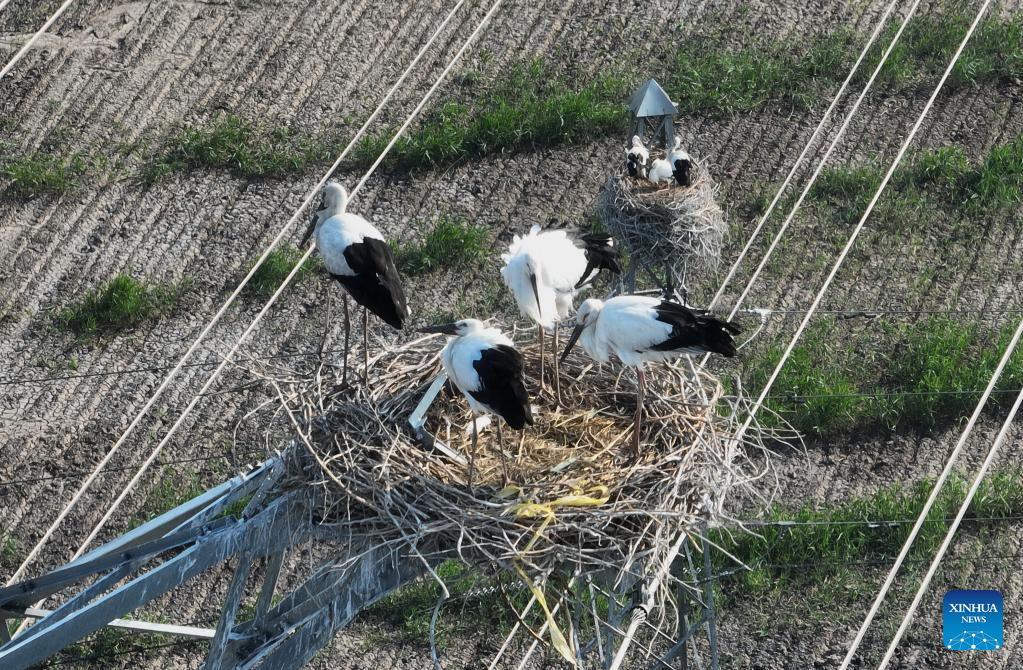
<point>972,620</point>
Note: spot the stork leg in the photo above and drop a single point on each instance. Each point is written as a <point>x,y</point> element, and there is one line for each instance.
<point>326,328</point>
<point>365,346</point>
<point>557,367</point>
<point>539,331</point>
<point>641,383</point>
<point>348,333</point>
<point>500,448</point>
<point>472,452</point>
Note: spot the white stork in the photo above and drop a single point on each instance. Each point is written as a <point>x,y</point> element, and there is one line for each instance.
<point>357,256</point>
<point>544,271</point>
<point>638,329</point>
<point>487,368</point>
<point>636,157</point>
<point>681,164</point>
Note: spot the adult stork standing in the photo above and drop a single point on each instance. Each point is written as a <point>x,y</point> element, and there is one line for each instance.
<point>487,368</point>
<point>357,256</point>
<point>544,271</point>
<point>638,329</point>
<point>636,157</point>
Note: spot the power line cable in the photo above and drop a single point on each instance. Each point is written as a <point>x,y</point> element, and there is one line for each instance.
<point>32,40</point>
<point>933,568</point>
<point>789,523</point>
<point>223,309</point>
<point>846,314</point>
<point>843,254</point>
<point>827,154</point>
<point>298,266</point>
<point>806,149</point>
<point>946,472</point>
<point>777,196</point>
<point>74,474</point>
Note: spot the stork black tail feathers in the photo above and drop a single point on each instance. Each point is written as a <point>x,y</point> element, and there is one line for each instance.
<point>600,255</point>
<point>717,334</point>
<point>695,330</point>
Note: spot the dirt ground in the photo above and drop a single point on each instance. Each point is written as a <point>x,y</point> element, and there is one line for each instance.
<point>113,74</point>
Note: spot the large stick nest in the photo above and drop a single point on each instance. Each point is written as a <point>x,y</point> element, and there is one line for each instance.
<point>575,495</point>
<point>673,228</point>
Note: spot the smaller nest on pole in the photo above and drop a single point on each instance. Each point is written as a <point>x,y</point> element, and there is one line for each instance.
<point>577,502</point>
<point>673,229</point>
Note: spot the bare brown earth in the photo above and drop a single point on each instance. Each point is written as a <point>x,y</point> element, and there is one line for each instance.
<point>114,75</point>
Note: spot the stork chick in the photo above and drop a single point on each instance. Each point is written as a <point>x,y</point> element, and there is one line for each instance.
<point>636,157</point>
<point>661,172</point>
<point>681,164</point>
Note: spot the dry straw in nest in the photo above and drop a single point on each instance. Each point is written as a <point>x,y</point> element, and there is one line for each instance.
<point>674,229</point>
<point>576,507</point>
<point>574,499</point>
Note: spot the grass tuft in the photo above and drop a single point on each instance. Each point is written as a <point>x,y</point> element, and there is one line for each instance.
<point>450,244</point>
<point>242,147</point>
<point>709,79</point>
<point>997,182</point>
<point>931,185</point>
<point>278,264</point>
<point>534,105</point>
<point>9,548</point>
<point>171,490</point>
<point>42,173</point>
<point>117,305</point>
<point>993,56</point>
<point>410,609</point>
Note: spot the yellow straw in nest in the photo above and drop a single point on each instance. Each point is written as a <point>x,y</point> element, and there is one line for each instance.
<point>594,495</point>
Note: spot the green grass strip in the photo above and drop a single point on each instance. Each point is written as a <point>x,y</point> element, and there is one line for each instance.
<point>917,376</point>
<point>117,305</point>
<point>451,244</point>
<point>824,541</point>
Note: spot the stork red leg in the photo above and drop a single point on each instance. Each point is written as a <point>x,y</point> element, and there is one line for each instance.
<point>326,327</point>
<point>500,448</point>
<point>348,332</point>
<point>365,345</point>
<point>641,383</point>
<point>557,367</point>
<point>539,330</point>
<point>472,452</point>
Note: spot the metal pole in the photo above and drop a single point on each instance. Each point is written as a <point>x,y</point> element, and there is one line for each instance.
<point>708,597</point>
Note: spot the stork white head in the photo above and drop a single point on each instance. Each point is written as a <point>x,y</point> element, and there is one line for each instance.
<point>459,328</point>
<point>335,197</point>
<point>636,142</point>
<point>585,319</point>
<point>333,200</point>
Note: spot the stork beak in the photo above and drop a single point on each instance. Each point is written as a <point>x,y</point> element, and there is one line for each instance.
<point>308,231</point>
<point>443,328</point>
<point>536,293</point>
<point>572,340</point>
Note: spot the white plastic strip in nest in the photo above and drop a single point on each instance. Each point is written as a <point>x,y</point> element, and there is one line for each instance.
<point>418,418</point>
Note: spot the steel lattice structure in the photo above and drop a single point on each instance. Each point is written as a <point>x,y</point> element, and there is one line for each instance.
<point>180,545</point>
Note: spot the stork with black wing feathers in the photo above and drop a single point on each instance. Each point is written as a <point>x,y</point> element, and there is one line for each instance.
<point>640,329</point>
